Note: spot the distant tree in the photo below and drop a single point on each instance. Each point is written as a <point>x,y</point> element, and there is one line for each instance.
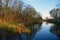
<point>31,14</point>
<point>30,11</point>
<point>55,13</point>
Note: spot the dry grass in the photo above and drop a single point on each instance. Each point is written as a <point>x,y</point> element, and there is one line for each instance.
<point>20,28</point>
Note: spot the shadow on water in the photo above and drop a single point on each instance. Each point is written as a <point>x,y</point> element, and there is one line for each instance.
<point>55,29</point>
<point>24,36</point>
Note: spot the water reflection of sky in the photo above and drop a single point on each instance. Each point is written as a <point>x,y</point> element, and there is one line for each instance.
<point>46,31</point>
<point>45,34</point>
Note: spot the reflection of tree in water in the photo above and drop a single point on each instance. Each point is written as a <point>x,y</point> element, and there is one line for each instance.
<point>56,30</point>
<point>34,28</point>
<point>24,36</point>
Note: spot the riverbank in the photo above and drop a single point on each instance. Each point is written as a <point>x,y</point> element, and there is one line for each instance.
<point>15,27</point>
<point>20,28</point>
<point>57,22</point>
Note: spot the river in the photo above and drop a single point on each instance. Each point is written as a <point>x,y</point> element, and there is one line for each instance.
<point>44,31</point>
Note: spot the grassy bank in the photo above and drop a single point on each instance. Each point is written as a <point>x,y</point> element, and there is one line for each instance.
<point>15,27</point>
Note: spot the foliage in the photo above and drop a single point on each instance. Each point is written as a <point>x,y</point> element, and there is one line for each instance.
<point>14,12</point>
<point>10,30</point>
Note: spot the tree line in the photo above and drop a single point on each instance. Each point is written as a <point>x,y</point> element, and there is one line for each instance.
<point>17,11</point>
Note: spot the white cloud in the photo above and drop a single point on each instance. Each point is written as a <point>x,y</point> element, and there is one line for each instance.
<point>45,15</point>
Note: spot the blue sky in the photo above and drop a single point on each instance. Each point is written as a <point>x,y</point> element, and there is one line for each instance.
<point>42,6</point>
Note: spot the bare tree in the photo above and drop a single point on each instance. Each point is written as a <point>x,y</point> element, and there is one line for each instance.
<point>6,10</point>
<point>0,8</point>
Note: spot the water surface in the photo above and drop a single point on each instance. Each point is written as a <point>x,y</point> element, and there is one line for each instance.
<point>44,31</point>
